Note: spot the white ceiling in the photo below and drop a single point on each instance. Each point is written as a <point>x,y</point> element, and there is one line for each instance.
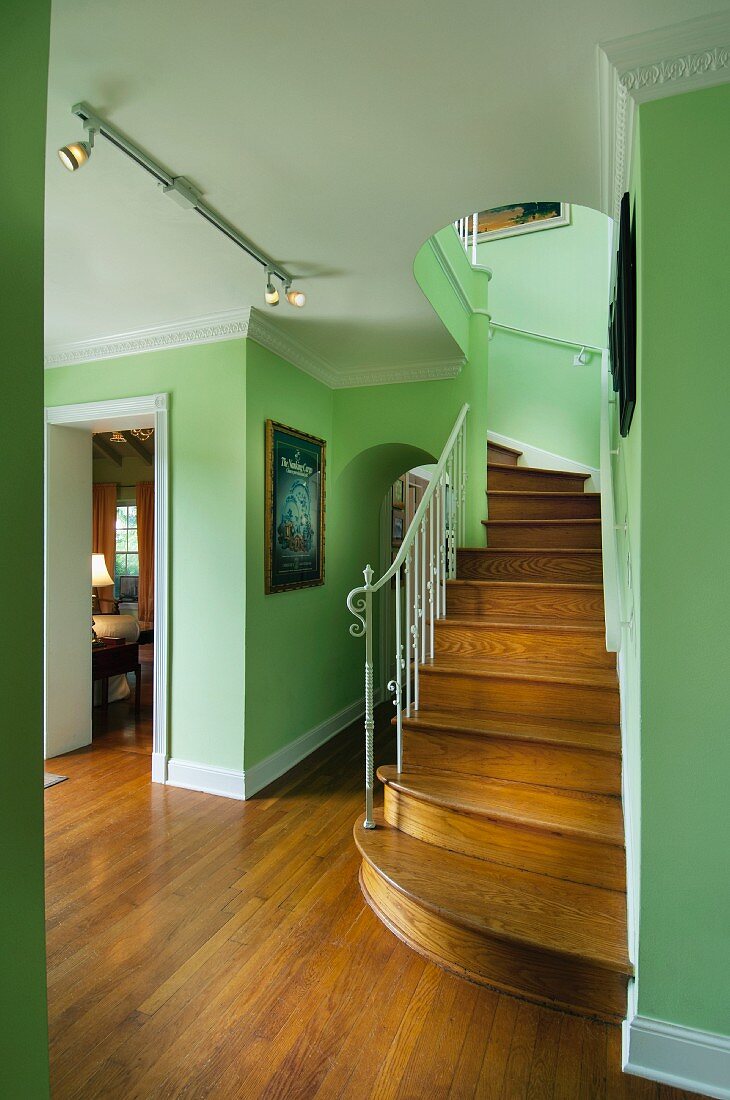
<point>337,135</point>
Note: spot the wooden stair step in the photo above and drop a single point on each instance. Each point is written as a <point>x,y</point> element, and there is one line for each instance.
<point>557,640</point>
<point>579,756</point>
<point>522,687</point>
<point>566,834</point>
<point>514,564</point>
<point>544,938</point>
<point>565,813</point>
<point>500,476</point>
<point>541,533</point>
<point>531,600</point>
<point>497,452</point>
<point>508,504</point>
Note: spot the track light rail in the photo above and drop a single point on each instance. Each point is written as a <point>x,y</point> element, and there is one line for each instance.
<point>178,188</point>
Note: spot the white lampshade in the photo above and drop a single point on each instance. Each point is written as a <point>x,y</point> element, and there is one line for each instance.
<point>99,573</point>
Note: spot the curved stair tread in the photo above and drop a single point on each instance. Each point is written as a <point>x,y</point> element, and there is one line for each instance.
<point>537,470</point>
<point>521,669</point>
<point>598,736</point>
<point>541,522</point>
<point>567,813</point>
<point>567,918</point>
<point>522,494</point>
<point>562,626</point>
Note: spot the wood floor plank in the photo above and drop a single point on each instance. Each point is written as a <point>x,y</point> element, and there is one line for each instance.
<point>204,947</point>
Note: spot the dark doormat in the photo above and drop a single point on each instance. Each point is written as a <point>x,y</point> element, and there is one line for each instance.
<point>51,780</point>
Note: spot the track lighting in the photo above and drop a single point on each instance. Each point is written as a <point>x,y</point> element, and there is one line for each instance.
<point>271,294</point>
<point>295,297</point>
<point>75,154</point>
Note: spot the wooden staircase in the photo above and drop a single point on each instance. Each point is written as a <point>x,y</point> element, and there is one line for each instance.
<point>499,853</point>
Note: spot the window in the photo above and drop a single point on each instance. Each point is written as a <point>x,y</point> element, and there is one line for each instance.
<point>126,560</point>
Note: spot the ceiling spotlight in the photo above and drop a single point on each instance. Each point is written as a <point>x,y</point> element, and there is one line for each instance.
<point>117,437</point>
<point>75,155</point>
<point>272,294</point>
<point>295,297</point>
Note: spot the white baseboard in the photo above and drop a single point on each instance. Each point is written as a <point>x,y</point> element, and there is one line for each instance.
<point>241,785</point>
<point>159,767</point>
<point>206,778</point>
<point>696,1061</point>
<point>272,767</point>
<point>546,460</point>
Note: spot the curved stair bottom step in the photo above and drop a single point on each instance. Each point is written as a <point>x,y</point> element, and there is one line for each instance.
<point>534,975</point>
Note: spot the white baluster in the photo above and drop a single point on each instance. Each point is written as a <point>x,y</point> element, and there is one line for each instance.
<point>474,238</point>
<point>424,604</point>
<point>369,702</point>
<point>398,674</point>
<point>408,632</point>
<point>431,579</point>
<point>416,625</point>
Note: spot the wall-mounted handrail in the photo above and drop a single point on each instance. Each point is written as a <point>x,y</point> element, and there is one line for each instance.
<point>425,561</point>
<point>548,339</point>
<point>611,596</point>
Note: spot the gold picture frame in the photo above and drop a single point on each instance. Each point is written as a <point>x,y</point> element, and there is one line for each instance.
<point>294,509</point>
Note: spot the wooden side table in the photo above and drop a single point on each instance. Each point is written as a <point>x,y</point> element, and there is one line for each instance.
<point>115,657</point>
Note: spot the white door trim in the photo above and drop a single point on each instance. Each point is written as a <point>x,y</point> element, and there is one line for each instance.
<point>150,410</point>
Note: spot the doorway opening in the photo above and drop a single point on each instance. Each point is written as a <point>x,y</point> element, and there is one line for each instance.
<point>106,569</point>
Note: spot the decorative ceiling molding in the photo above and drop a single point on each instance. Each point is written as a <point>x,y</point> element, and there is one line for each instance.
<point>241,324</point>
<point>425,371</point>
<point>231,325</point>
<point>654,65</point>
<point>271,336</point>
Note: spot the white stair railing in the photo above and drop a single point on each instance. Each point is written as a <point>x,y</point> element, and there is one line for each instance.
<point>424,563</point>
<point>467,230</point>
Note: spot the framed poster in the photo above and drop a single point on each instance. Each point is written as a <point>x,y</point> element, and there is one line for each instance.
<point>294,509</point>
<point>622,320</point>
<point>399,492</point>
<point>525,217</point>
<point>398,528</point>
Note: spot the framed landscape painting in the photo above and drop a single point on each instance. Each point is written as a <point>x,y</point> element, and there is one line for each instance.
<point>294,509</point>
<point>523,217</point>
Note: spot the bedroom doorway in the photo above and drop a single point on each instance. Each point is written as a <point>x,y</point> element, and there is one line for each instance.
<point>106,496</point>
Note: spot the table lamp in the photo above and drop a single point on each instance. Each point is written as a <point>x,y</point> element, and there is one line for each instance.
<point>99,579</point>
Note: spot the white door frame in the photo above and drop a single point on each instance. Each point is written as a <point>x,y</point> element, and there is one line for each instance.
<point>139,412</point>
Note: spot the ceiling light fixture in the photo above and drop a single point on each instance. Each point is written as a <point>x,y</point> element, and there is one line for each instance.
<point>117,437</point>
<point>271,294</point>
<point>295,297</point>
<point>179,189</point>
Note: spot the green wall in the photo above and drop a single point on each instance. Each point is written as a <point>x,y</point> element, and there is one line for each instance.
<point>24,33</point>
<point>207,424</point>
<point>553,281</point>
<point>684,235</point>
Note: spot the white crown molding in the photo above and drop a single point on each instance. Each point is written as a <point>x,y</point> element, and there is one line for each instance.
<point>683,1057</point>
<point>428,370</point>
<point>275,339</point>
<point>230,325</point>
<point>666,62</point>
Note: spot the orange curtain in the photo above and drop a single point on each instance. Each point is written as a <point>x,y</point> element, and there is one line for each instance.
<point>146,546</point>
<point>103,537</point>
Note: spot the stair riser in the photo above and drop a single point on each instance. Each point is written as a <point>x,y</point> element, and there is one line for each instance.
<point>539,506</point>
<point>539,975</point>
<point>557,534</point>
<point>519,479</point>
<point>560,602</point>
<point>592,862</point>
<point>568,768</point>
<point>496,454</point>
<point>538,565</point>
<point>584,649</point>
<point>506,696</point>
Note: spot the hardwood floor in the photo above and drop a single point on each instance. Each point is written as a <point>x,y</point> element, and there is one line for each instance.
<point>118,726</point>
<point>204,947</point>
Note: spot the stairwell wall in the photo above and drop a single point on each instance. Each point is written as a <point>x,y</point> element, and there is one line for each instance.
<point>676,477</point>
<point>24,36</point>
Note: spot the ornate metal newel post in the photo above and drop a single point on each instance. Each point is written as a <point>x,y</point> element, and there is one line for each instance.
<point>361,607</point>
